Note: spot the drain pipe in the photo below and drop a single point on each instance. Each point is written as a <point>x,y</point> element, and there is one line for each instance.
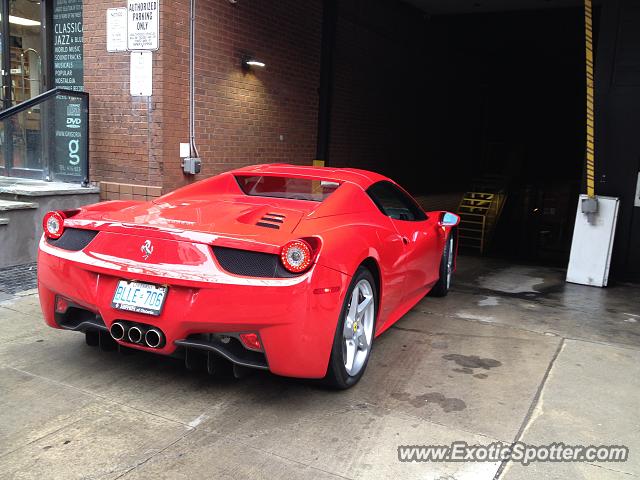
<point>192,164</point>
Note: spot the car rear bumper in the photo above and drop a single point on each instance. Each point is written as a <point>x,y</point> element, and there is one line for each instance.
<point>294,317</point>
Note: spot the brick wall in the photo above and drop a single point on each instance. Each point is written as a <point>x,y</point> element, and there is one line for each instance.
<point>173,87</point>
<point>265,115</point>
<point>135,140</point>
<point>242,118</point>
<point>126,191</point>
<point>122,147</point>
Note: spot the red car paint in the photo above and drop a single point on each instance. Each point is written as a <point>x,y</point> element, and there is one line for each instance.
<point>295,317</point>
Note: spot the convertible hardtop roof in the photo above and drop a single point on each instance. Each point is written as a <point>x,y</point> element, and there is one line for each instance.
<point>363,178</point>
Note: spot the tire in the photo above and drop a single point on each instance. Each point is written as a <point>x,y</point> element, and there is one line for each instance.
<point>352,348</point>
<point>441,288</point>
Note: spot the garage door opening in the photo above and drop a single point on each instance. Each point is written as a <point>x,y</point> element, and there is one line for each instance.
<point>471,98</point>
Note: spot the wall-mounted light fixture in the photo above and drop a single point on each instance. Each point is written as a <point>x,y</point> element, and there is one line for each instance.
<point>248,63</point>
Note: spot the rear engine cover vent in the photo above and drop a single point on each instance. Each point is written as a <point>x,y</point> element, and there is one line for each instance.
<point>251,264</point>
<point>271,220</point>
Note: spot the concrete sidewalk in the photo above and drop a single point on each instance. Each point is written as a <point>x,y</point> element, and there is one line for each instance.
<point>513,353</point>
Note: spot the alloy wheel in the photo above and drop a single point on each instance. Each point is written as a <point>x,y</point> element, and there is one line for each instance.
<point>357,334</point>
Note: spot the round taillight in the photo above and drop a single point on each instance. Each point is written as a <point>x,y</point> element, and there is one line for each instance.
<point>53,224</point>
<point>296,256</point>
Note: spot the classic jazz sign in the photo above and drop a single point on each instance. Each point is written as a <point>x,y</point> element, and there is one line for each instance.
<point>143,22</point>
<point>68,53</point>
<point>70,136</point>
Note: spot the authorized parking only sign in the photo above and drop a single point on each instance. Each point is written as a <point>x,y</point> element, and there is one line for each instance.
<point>143,20</point>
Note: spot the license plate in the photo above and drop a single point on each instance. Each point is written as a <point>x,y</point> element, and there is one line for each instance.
<point>139,297</point>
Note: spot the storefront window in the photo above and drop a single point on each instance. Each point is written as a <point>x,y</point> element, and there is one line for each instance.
<point>22,79</point>
<point>48,140</point>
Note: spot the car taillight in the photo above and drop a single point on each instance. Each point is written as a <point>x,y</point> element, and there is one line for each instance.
<point>53,224</point>
<point>296,256</point>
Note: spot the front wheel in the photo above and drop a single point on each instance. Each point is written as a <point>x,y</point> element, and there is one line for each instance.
<point>354,334</point>
<point>441,288</point>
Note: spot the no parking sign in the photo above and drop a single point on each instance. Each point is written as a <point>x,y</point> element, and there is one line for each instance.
<point>143,20</point>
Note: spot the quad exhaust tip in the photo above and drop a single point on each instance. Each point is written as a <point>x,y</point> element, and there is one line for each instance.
<point>117,331</point>
<point>153,338</point>
<point>135,335</point>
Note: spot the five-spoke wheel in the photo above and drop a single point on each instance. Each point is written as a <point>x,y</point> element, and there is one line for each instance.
<point>358,327</point>
<point>354,334</point>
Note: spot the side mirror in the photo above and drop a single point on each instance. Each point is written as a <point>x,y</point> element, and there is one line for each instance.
<point>449,219</point>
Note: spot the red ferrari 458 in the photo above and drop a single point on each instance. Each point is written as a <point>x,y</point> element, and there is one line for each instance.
<point>284,268</point>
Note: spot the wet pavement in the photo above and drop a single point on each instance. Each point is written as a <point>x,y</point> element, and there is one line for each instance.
<point>512,354</point>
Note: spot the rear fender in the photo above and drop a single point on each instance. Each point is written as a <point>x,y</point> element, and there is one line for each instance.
<point>345,248</point>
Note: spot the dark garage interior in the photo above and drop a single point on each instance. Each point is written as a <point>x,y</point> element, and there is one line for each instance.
<point>472,98</point>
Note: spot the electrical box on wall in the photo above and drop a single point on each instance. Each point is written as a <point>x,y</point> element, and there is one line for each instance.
<point>191,166</point>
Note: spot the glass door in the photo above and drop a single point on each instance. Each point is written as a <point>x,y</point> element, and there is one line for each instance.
<point>23,72</point>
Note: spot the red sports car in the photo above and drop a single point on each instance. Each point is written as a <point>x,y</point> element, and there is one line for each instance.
<point>284,268</point>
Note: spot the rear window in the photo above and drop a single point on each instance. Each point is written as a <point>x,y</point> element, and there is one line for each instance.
<point>287,187</point>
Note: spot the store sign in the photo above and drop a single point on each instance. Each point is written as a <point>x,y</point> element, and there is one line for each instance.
<point>70,134</point>
<point>143,22</point>
<point>68,67</point>
<point>116,30</point>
